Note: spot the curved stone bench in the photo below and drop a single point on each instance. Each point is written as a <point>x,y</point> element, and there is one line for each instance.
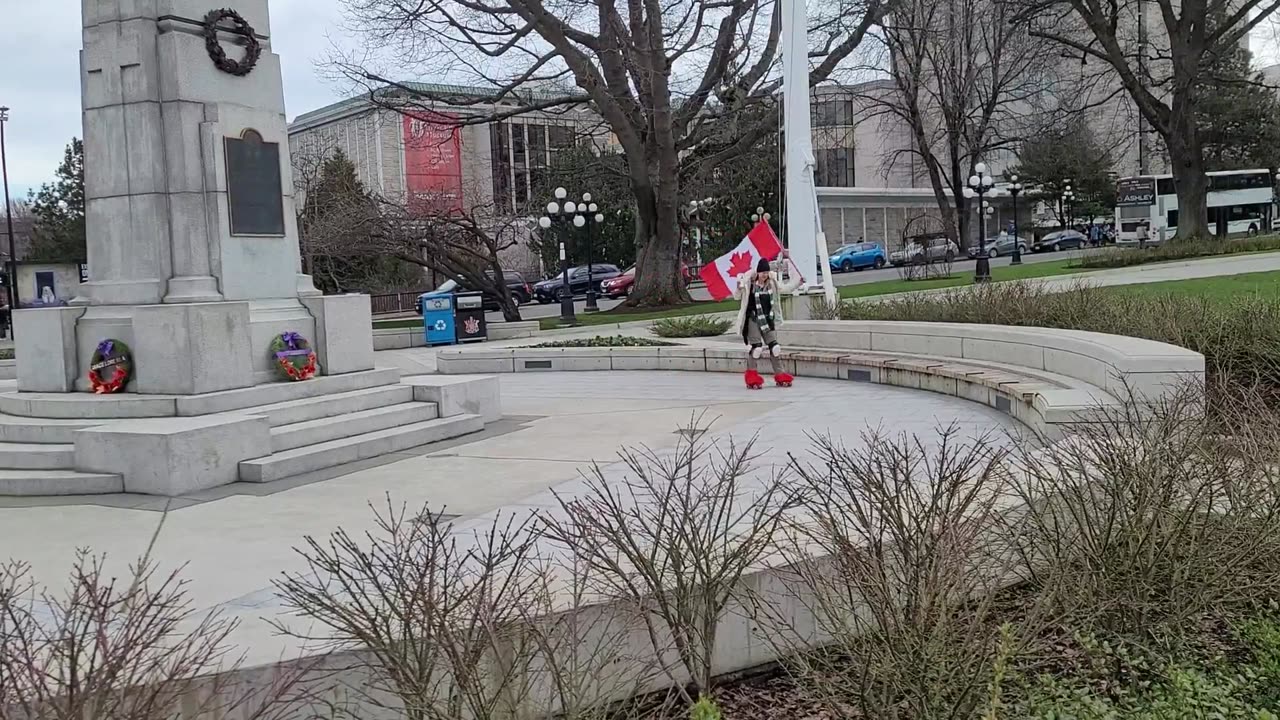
<point>1045,378</point>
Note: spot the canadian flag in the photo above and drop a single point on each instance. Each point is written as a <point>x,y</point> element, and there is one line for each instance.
<point>721,276</point>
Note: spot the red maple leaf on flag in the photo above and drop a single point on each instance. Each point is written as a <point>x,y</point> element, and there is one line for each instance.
<point>739,263</point>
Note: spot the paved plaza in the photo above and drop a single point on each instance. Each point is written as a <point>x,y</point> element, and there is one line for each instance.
<point>236,538</point>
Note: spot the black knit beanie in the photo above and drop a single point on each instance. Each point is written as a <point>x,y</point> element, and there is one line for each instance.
<point>762,265</point>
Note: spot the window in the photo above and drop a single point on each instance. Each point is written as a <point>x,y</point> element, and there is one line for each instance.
<point>519,157</point>
<point>834,167</point>
<point>1164,186</point>
<point>1172,219</point>
<point>1249,181</point>
<point>499,153</point>
<point>832,113</point>
<point>537,145</point>
<point>521,189</point>
<point>560,136</point>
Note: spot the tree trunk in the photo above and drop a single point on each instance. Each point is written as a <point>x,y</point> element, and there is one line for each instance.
<point>659,281</point>
<point>1189,179</point>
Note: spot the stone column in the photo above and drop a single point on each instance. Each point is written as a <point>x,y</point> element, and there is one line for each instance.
<point>126,200</point>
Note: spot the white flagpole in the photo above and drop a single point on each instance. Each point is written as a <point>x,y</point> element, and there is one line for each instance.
<point>804,237</point>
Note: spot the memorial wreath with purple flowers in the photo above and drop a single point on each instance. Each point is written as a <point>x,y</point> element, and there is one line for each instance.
<point>110,367</point>
<point>293,356</point>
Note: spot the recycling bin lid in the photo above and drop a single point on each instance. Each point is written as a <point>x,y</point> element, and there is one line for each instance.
<point>469,301</point>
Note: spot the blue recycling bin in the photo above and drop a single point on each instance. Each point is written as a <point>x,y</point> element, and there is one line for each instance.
<point>437,318</point>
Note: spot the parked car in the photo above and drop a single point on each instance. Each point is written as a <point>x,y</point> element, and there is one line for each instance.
<point>620,286</point>
<point>857,256</point>
<point>1061,240</point>
<point>548,290</point>
<point>516,285</point>
<point>921,249</point>
<point>997,246</point>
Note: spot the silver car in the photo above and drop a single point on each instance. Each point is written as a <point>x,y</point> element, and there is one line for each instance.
<point>1000,245</point>
<point>921,250</point>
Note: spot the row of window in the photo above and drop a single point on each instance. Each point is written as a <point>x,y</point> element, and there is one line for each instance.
<point>521,153</point>
<point>1245,181</point>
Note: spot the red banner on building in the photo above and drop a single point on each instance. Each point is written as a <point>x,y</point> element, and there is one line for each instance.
<point>433,162</point>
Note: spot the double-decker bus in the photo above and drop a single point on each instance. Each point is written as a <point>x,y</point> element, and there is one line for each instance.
<point>1240,202</point>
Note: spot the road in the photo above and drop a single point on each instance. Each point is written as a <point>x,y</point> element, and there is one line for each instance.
<point>534,311</point>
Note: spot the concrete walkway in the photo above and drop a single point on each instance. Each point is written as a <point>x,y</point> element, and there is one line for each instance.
<point>236,539</point>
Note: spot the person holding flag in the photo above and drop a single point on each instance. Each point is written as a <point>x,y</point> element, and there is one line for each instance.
<point>759,316</point>
<point>744,274</point>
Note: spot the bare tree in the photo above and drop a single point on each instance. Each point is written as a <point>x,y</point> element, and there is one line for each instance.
<point>897,570</point>
<point>673,539</point>
<point>967,84</point>
<point>110,649</point>
<point>1159,59</point>
<point>466,245</point>
<point>680,85</point>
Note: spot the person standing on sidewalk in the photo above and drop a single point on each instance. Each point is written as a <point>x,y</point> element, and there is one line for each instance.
<point>1142,235</point>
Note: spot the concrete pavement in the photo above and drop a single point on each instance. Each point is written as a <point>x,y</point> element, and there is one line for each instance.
<point>236,539</point>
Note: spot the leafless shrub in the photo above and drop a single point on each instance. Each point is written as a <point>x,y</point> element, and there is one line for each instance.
<point>430,613</point>
<point>1151,516</point>
<point>899,567</point>
<point>116,649</point>
<point>673,538</point>
<point>446,624</point>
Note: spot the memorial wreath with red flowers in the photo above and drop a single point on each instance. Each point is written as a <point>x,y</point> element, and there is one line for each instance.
<point>110,367</point>
<point>293,357</point>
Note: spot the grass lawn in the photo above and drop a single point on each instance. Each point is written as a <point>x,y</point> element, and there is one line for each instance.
<point>880,287</point>
<point>1225,287</point>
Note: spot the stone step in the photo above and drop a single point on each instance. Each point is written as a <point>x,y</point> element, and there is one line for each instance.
<point>338,452</point>
<point>298,411</point>
<point>37,456</point>
<point>280,392</point>
<point>58,482</point>
<point>86,406</point>
<point>313,432</point>
<point>15,429</point>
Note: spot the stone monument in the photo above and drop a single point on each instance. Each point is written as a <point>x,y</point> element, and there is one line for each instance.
<point>192,236</point>
<point>194,265</point>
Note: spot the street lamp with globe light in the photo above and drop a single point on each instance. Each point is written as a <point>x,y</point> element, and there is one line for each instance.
<point>1015,187</point>
<point>980,183</point>
<point>560,211</point>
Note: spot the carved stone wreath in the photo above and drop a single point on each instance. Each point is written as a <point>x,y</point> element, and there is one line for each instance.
<point>252,49</point>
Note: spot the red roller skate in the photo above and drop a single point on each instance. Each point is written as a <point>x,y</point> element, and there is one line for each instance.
<point>754,381</point>
<point>783,379</point>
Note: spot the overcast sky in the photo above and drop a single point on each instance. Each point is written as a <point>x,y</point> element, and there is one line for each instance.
<point>41,77</point>
<point>41,83</point>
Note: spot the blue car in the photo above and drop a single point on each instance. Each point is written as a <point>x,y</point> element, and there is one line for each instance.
<point>857,256</point>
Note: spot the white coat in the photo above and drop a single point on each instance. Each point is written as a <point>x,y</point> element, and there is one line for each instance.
<point>776,287</point>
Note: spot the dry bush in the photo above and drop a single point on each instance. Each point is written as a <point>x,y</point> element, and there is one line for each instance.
<point>426,610</point>
<point>899,566</point>
<point>1151,517</point>
<point>1179,250</point>
<point>673,539</point>
<point>445,624</point>
<point>104,648</point>
<point>1240,338</point>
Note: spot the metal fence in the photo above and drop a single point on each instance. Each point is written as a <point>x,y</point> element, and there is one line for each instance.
<point>394,303</point>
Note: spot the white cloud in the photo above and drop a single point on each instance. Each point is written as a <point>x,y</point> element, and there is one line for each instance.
<point>41,86</point>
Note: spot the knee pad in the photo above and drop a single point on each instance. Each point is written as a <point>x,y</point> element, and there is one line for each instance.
<point>775,349</point>
<point>757,351</point>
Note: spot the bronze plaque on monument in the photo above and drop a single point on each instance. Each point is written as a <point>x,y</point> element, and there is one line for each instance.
<point>253,185</point>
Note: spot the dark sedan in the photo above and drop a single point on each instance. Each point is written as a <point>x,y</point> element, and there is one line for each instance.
<point>1061,240</point>
<point>548,290</point>
<point>516,285</point>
